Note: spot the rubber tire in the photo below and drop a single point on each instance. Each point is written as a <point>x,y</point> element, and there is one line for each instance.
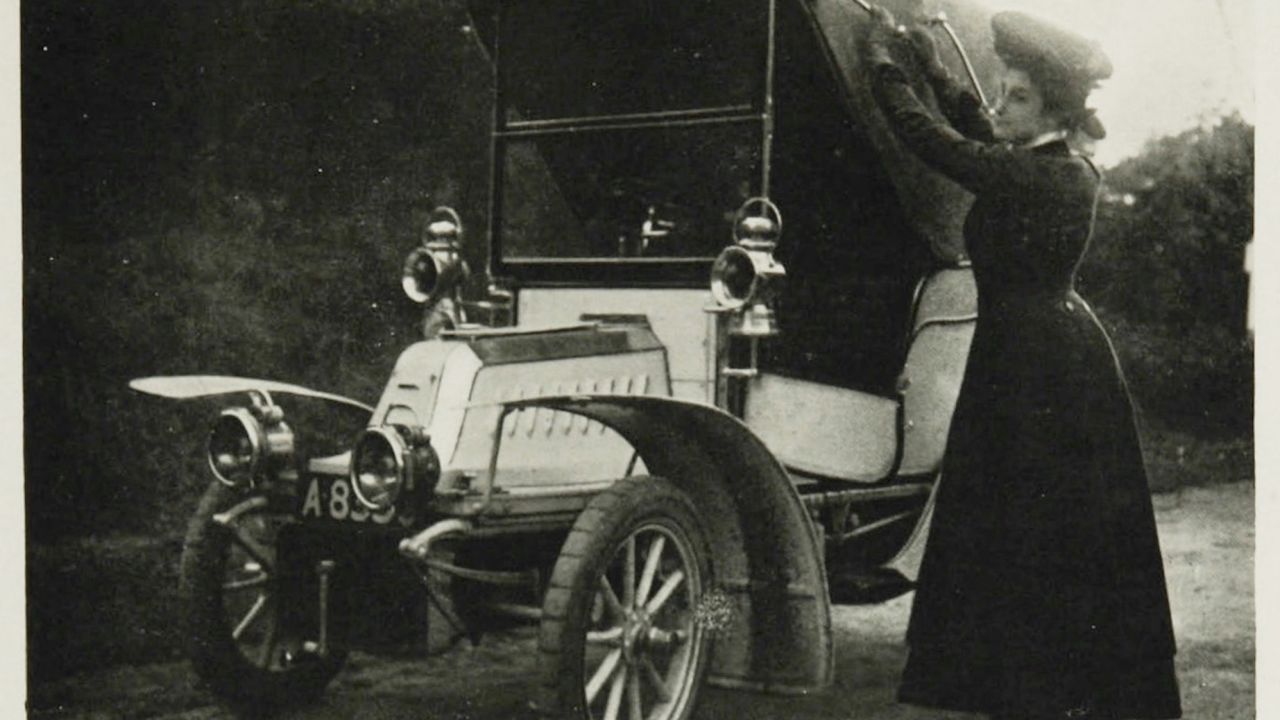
<point>214,655</point>
<point>587,551</point>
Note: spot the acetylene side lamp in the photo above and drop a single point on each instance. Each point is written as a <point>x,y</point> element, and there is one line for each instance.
<point>436,269</point>
<point>248,442</point>
<point>390,461</point>
<point>745,277</point>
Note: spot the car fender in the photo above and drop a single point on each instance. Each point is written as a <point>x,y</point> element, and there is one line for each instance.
<point>766,552</point>
<point>187,387</point>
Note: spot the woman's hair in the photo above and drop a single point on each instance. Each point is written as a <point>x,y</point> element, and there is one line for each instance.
<point>1064,66</point>
<point>1066,96</point>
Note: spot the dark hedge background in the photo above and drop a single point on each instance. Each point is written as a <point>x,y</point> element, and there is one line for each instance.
<point>227,188</point>
<point>230,187</point>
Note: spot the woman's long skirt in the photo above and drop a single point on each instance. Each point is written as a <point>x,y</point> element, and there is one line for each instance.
<point>1042,589</point>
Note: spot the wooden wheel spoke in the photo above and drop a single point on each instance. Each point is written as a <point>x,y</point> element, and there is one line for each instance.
<point>612,636</point>
<point>261,554</point>
<point>635,710</point>
<point>602,674</point>
<point>267,652</point>
<point>249,617</point>
<point>669,586</point>
<point>655,679</point>
<point>629,573</point>
<point>257,581</point>
<point>611,600</point>
<point>615,696</point>
<point>650,569</point>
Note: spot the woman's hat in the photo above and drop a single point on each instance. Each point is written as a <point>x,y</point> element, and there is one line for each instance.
<point>1034,44</point>
<point>1067,65</point>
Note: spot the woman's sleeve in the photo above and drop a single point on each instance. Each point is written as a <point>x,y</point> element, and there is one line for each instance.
<point>961,107</point>
<point>974,164</point>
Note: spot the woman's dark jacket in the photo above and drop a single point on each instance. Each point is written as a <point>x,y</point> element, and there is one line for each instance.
<point>1042,590</point>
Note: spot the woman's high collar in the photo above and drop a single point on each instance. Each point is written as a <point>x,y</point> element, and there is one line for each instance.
<point>1045,139</point>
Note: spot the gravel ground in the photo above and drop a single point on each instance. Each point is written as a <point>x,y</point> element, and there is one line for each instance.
<point>1207,536</point>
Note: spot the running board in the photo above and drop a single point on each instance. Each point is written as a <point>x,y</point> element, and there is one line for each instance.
<point>868,587</point>
<point>826,498</point>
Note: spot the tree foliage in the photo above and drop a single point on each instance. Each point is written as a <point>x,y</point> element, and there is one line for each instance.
<point>1167,271</point>
<point>224,188</point>
<point>231,187</point>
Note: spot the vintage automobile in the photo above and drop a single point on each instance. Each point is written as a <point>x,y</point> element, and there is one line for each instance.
<point>671,434</point>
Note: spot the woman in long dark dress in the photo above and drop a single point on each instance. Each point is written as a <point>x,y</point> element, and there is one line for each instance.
<point>1042,591</point>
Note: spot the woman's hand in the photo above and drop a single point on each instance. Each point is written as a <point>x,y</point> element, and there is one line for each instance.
<point>883,26</point>
<point>882,33</point>
<point>926,53</point>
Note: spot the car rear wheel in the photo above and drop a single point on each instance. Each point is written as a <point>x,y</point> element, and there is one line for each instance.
<point>620,634</point>
<point>244,611</point>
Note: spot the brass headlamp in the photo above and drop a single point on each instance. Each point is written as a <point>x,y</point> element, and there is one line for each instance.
<point>391,461</point>
<point>436,270</point>
<point>746,276</point>
<point>247,442</point>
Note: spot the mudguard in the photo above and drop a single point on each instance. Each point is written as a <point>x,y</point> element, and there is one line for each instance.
<point>186,387</point>
<point>767,554</point>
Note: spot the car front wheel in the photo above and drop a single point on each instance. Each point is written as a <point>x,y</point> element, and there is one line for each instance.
<point>251,630</point>
<point>620,632</point>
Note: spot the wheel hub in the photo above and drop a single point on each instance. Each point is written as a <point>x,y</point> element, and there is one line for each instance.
<point>636,633</point>
<point>639,635</point>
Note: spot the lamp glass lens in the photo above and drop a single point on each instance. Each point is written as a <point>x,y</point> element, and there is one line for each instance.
<point>232,454</point>
<point>736,273</point>
<point>377,473</point>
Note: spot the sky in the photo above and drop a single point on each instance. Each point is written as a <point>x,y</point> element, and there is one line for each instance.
<point>1178,63</point>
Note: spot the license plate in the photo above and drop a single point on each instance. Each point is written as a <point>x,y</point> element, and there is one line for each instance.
<point>332,499</point>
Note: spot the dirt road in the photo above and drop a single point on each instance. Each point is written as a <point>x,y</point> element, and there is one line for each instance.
<point>1207,536</point>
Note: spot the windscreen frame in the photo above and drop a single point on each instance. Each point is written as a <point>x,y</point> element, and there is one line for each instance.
<point>757,116</point>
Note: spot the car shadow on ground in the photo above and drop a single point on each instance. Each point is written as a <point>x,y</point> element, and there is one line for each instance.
<point>1207,538</point>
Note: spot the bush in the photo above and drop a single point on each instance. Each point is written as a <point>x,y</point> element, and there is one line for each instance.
<point>224,188</point>
<point>230,188</point>
<point>1166,271</point>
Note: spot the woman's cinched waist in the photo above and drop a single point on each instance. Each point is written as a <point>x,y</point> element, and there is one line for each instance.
<point>1011,300</point>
